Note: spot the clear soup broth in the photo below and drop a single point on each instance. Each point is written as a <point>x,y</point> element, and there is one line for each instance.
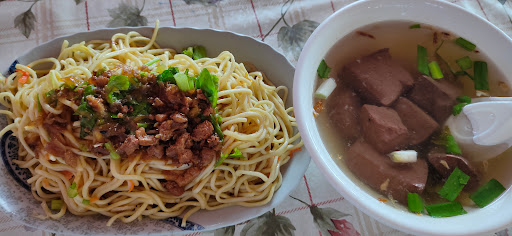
<point>402,41</point>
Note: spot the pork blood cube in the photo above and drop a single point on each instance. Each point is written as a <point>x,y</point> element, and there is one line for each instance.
<point>383,128</point>
<point>437,98</point>
<point>379,172</point>
<point>377,78</point>
<point>344,112</point>
<point>419,124</point>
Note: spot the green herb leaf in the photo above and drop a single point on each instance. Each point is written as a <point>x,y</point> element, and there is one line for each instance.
<point>480,73</point>
<point>140,109</point>
<point>189,52</point>
<point>183,82</point>
<point>168,75</point>
<point>415,202</point>
<point>236,153</point>
<point>216,127</point>
<point>465,44</point>
<point>86,125</point>
<point>487,193</point>
<point>209,85</point>
<point>119,82</point>
<point>143,125</point>
<point>445,209</point>
<point>101,71</point>
<point>422,59</point>
<point>323,70</point>
<point>113,154</point>
<point>56,204</point>
<point>195,52</point>
<point>465,63</point>
<point>86,202</point>
<point>454,184</point>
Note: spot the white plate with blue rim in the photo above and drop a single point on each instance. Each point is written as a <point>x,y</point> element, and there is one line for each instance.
<point>16,199</point>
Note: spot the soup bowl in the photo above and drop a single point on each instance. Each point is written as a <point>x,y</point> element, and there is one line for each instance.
<point>490,40</point>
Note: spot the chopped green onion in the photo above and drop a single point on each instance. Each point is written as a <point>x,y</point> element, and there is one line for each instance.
<point>216,126</point>
<point>465,44</point>
<point>323,70</point>
<point>143,125</point>
<point>404,156</point>
<point>454,184</point>
<point>86,202</point>
<point>422,60</point>
<point>465,63</point>
<point>160,68</point>
<point>39,107</point>
<point>221,159</point>
<point>445,209</point>
<point>325,89</point>
<point>209,85</point>
<point>56,204</point>
<point>487,193</point>
<point>457,109</point>
<point>435,70</point>
<point>415,26</point>
<point>415,202</point>
<point>182,81</point>
<point>101,71</point>
<point>155,60</point>
<point>451,146</point>
<point>113,154</point>
<point>72,192</point>
<point>480,73</point>
<point>464,99</point>
<point>196,52</point>
<point>143,74</point>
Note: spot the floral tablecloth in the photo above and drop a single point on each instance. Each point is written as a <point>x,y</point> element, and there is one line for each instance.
<point>314,208</point>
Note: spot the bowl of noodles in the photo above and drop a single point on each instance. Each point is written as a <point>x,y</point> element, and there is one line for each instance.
<point>147,131</point>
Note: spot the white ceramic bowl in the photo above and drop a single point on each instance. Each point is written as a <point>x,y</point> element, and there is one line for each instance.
<point>17,201</point>
<point>489,39</point>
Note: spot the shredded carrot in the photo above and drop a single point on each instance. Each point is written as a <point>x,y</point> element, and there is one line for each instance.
<point>131,184</point>
<point>382,200</point>
<point>67,174</point>
<point>24,76</point>
<point>293,151</point>
<point>93,199</point>
<point>45,183</point>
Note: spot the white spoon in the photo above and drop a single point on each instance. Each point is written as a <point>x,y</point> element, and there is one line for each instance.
<point>483,129</point>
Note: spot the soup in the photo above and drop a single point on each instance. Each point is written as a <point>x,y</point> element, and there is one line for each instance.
<point>389,113</point>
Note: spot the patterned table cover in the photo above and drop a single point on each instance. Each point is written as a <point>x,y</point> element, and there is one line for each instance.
<point>314,207</point>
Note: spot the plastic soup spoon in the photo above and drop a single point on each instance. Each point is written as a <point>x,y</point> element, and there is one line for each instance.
<point>483,129</point>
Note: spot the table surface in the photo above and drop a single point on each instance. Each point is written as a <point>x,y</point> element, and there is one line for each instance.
<point>257,18</point>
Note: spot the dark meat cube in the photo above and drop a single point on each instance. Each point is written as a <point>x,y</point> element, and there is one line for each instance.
<point>377,78</point>
<point>435,97</point>
<point>382,128</point>
<point>344,106</point>
<point>419,124</point>
<point>382,174</point>
<point>446,163</point>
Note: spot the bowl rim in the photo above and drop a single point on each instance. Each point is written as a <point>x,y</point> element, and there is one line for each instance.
<point>302,157</point>
<point>388,215</point>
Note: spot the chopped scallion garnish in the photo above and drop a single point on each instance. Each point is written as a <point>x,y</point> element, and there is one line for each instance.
<point>56,204</point>
<point>325,89</point>
<point>487,193</point>
<point>457,109</point>
<point>155,60</point>
<point>113,154</point>
<point>451,146</point>
<point>465,63</point>
<point>422,60</point>
<point>86,202</point>
<point>415,26</point>
<point>480,75</point>
<point>323,70</point>
<point>143,125</point>
<point>445,209</point>
<point>454,184</point>
<point>182,81</point>
<point>464,99</point>
<point>465,44</point>
<point>435,70</point>
<point>415,202</point>
<point>72,191</point>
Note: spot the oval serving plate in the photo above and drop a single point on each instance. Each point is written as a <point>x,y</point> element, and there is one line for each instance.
<point>16,199</point>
